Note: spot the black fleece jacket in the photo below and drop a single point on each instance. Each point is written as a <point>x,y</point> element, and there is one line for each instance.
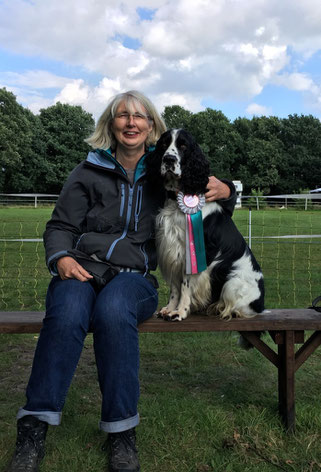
<point>101,214</point>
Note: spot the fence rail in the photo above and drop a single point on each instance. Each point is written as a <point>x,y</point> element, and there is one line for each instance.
<point>22,199</point>
<point>303,201</point>
<point>300,201</point>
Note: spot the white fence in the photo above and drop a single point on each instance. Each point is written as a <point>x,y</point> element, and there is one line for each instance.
<point>304,201</point>
<point>21,199</point>
<point>301,201</point>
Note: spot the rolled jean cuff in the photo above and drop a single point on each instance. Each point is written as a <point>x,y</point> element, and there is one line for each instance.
<point>119,426</point>
<point>51,417</point>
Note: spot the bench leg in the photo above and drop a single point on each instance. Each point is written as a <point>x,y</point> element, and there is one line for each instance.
<point>286,373</point>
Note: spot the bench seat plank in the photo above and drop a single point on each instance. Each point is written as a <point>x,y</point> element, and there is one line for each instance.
<point>275,320</point>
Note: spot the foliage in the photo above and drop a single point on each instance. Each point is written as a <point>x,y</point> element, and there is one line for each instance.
<point>176,117</point>
<point>214,133</point>
<point>279,156</point>
<point>258,158</point>
<point>38,152</point>
<point>15,139</point>
<point>66,127</point>
<point>300,163</point>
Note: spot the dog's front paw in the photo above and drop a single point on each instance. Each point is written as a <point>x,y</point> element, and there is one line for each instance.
<point>171,315</point>
<point>175,316</point>
<point>163,312</point>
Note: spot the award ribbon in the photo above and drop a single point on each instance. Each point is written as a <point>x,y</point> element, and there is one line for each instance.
<point>191,205</point>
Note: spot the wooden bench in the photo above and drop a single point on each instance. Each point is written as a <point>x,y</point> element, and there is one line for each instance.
<point>286,327</point>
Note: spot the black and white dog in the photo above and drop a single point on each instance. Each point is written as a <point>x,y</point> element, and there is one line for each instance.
<point>232,284</point>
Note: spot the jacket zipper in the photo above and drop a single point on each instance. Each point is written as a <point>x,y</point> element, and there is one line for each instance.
<point>129,211</point>
<point>138,205</point>
<point>122,201</point>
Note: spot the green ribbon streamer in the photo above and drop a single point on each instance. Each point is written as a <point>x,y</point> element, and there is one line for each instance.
<point>198,232</point>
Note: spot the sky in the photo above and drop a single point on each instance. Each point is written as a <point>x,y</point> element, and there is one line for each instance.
<point>243,57</point>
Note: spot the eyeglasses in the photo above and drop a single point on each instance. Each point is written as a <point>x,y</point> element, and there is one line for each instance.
<point>137,117</point>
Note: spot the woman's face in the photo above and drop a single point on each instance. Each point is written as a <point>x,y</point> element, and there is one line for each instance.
<point>131,129</point>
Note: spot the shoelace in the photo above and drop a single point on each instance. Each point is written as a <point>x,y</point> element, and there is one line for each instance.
<point>28,437</point>
<point>119,440</point>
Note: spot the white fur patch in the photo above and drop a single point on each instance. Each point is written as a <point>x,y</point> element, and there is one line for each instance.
<point>175,167</point>
<point>241,289</point>
<point>187,291</point>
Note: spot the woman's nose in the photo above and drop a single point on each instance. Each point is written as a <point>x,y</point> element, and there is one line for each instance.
<point>130,120</point>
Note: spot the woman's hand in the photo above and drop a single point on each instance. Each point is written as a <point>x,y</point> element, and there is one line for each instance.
<point>217,190</point>
<point>68,268</point>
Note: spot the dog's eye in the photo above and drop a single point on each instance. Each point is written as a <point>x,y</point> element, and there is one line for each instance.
<point>183,147</point>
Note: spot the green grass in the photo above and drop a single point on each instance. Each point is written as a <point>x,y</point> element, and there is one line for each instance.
<point>206,405</point>
<point>291,266</point>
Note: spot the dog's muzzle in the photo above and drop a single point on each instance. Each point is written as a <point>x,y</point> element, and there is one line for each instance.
<point>169,160</point>
<point>170,165</point>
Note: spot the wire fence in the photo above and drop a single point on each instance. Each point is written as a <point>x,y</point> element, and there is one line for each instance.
<point>306,201</point>
<point>286,243</point>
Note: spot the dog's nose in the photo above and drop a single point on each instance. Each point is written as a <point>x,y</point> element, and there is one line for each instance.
<point>169,159</point>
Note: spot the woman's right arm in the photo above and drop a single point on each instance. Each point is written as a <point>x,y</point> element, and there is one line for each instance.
<point>65,227</point>
<point>68,268</point>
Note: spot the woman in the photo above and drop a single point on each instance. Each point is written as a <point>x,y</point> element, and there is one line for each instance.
<point>100,250</point>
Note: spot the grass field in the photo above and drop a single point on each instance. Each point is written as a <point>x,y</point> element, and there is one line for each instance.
<point>206,405</point>
<point>291,265</point>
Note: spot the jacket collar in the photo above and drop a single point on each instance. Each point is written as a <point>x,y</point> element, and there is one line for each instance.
<point>104,158</point>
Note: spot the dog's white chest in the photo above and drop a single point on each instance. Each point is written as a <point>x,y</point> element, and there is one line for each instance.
<point>170,235</point>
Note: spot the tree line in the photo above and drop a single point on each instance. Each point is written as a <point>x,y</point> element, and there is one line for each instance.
<point>268,154</point>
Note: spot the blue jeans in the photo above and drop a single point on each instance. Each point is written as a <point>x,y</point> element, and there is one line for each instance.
<point>113,313</point>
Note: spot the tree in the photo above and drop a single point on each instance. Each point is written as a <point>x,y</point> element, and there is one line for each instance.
<point>215,134</point>
<point>259,153</point>
<point>176,116</point>
<point>300,166</point>
<point>15,139</point>
<point>32,174</point>
<point>65,128</point>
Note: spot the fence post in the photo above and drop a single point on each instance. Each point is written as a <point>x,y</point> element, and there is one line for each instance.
<point>36,201</point>
<point>250,227</point>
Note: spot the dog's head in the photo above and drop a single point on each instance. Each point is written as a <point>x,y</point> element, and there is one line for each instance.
<point>179,162</point>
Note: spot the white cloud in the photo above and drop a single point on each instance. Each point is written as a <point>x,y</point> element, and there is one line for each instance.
<point>39,79</point>
<point>190,103</point>
<point>190,49</point>
<point>295,81</point>
<point>74,93</point>
<point>255,109</point>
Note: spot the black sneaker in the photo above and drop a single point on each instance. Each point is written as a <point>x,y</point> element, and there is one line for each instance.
<point>123,452</point>
<point>30,445</point>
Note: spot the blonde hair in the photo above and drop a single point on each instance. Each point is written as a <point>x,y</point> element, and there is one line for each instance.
<point>103,137</point>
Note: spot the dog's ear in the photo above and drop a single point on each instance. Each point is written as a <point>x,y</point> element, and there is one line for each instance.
<point>152,165</point>
<point>153,160</point>
<point>196,169</point>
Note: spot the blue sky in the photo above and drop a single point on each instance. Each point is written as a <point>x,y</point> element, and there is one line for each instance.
<point>245,58</point>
